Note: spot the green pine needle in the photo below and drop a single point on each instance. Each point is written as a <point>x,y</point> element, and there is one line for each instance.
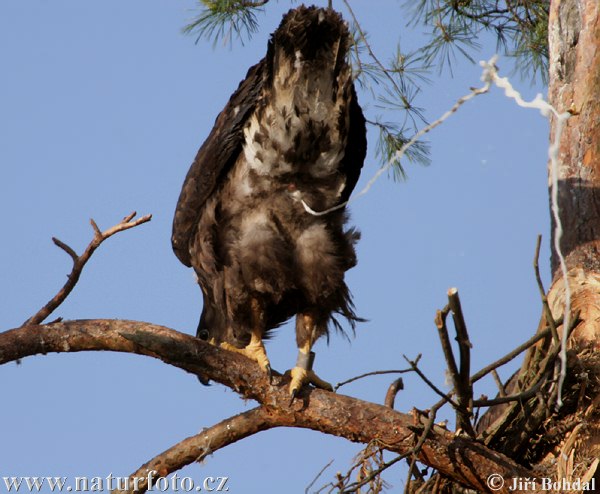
<point>224,20</point>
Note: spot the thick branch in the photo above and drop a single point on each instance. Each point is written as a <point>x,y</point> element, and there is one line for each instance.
<point>196,448</point>
<point>458,458</point>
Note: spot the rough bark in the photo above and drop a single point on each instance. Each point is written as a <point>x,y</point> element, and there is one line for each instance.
<point>458,458</point>
<point>574,36</point>
<point>565,443</point>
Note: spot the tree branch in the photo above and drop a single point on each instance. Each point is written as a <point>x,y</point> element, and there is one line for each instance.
<point>462,384</point>
<point>390,396</point>
<point>80,261</point>
<point>196,448</point>
<point>459,458</point>
<point>368,374</point>
<point>547,311</point>
<point>511,355</point>
<point>446,397</point>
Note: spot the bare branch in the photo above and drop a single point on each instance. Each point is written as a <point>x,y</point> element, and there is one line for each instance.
<point>97,232</point>
<point>317,476</point>
<point>498,381</point>
<point>196,448</point>
<point>547,311</point>
<point>368,374</point>
<point>376,60</point>
<point>438,391</point>
<point>521,405</point>
<point>525,395</point>
<point>353,488</point>
<point>463,387</point>
<point>510,355</point>
<point>417,449</point>
<point>79,263</point>
<point>66,248</point>
<point>390,396</point>
<point>440,323</point>
<point>456,457</point>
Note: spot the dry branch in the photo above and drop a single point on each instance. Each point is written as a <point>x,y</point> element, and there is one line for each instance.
<point>196,448</point>
<point>459,458</point>
<point>390,396</point>
<point>80,261</point>
<point>547,311</point>
<point>446,397</point>
<point>462,381</point>
<point>368,374</point>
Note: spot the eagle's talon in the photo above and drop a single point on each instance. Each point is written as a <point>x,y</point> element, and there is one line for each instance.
<point>254,351</point>
<point>301,376</point>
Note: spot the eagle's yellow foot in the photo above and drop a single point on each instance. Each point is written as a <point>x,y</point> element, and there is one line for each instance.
<point>303,374</point>
<point>255,350</point>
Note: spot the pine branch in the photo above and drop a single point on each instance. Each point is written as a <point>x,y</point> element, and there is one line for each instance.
<point>226,19</point>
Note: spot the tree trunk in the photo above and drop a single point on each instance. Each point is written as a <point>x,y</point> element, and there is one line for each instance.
<point>574,36</point>
<point>565,444</point>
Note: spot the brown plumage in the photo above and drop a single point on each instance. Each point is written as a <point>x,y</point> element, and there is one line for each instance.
<point>292,130</point>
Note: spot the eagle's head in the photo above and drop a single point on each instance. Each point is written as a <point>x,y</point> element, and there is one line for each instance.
<point>313,35</point>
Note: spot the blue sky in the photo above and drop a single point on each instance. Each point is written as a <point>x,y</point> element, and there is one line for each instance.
<point>103,106</point>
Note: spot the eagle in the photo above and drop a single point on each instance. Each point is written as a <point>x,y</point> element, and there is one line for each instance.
<point>292,135</point>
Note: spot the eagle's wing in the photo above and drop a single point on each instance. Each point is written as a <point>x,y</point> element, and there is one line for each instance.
<point>214,159</point>
<point>356,147</point>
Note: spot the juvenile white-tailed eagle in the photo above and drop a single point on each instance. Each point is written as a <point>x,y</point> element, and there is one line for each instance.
<point>292,131</point>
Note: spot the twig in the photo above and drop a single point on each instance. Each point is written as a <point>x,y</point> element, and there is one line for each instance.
<point>196,448</point>
<point>390,396</point>
<point>498,381</point>
<point>540,377</point>
<point>558,351</point>
<point>511,355</point>
<point>440,323</point>
<point>66,248</point>
<point>80,261</point>
<point>463,387</point>
<point>501,361</point>
<point>383,69</point>
<point>445,397</point>
<point>463,401</point>
<point>368,374</point>
<point>365,462</point>
<point>417,449</point>
<point>317,476</point>
<point>353,488</point>
<point>547,311</point>
<point>525,395</point>
<point>538,381</point>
